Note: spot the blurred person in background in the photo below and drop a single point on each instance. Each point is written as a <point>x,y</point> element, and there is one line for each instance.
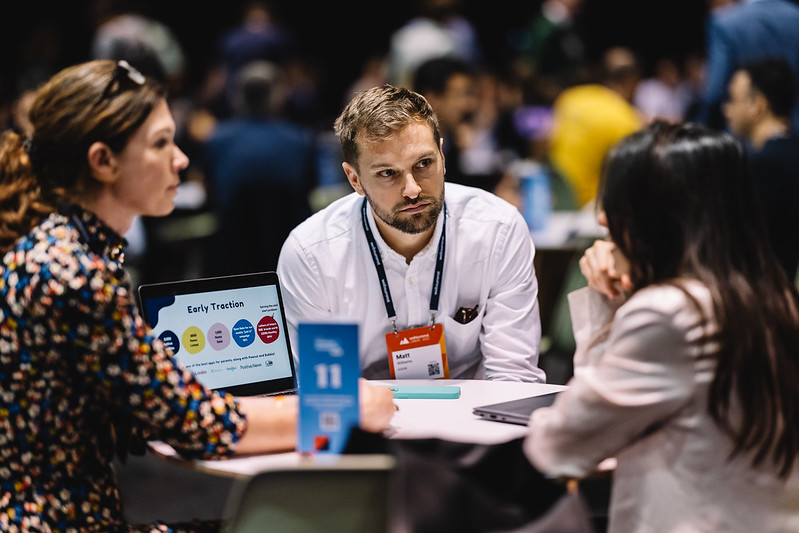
<point>666,94</point>
<point>761,96</point>
<point>148,44</point>
<point>551,51</point>
<point>373,73</point>
<point>256,162</point>
<point>439,29</point>
<point>259,35</point>
<point>588,119</point>
<point>741,31</point>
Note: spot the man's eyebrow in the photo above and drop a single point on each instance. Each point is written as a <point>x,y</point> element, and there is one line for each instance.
<point>426,155</point>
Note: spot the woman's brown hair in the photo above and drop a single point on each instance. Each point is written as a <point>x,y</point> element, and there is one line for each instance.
<point>97,101</point>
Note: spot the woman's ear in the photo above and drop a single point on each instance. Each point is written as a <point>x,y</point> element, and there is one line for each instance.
<point>602,218</point>
<point>102,162</point>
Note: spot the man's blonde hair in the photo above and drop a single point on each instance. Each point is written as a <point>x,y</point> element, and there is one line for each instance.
<point>377,114</point>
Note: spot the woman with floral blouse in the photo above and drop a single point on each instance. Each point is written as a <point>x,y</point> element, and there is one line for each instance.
<point>80,374</point>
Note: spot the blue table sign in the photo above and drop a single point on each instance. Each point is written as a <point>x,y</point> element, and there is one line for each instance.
<point>328,391</point>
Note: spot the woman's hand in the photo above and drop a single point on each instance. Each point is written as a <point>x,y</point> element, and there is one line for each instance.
<point>377,406</point>
<point>272,421</point>
<point>271,424</point>
<point>606,269</point>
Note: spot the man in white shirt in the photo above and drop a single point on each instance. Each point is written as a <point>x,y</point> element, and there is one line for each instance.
<point>371,257</point>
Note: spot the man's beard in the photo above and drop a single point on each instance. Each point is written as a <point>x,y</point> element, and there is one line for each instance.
<point>411,224</point>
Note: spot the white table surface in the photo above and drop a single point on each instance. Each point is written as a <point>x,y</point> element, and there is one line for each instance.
<point>453,419</point>
<point>438,418</point>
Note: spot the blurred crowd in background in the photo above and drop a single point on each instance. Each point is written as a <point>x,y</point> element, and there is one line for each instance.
<point>255,87</point>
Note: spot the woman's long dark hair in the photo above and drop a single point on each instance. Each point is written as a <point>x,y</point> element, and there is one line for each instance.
<point>680,202</point>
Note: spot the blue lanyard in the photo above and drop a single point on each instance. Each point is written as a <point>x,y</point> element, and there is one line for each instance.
<point>438,275</point>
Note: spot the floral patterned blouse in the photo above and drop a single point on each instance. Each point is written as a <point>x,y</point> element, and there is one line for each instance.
<point>79,374</point>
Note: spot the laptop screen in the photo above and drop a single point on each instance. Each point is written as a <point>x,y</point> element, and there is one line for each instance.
<point>230,332</point>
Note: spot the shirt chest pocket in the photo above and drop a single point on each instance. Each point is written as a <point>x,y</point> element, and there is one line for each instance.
<point>461,331</point>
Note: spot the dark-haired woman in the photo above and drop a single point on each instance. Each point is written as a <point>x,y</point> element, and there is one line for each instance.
<point>688,347</point>
<point>80,374</point>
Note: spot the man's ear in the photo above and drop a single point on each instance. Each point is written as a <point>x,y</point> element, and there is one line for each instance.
<point>102,162</point>
<point>352,177</point>
<point>441,151</point>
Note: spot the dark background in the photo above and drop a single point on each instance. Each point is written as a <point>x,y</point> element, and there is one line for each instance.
<point>337,37</point>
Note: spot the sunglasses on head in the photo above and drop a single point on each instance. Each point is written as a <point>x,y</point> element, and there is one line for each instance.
<point>123,71</point>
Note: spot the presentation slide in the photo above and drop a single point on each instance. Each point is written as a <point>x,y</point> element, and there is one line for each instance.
<point>227,338</point>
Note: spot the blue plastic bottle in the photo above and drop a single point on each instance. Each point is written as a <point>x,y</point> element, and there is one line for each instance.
<point>536,194</point>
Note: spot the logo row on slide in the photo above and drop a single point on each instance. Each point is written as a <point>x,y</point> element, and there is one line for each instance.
<point>218,335</point>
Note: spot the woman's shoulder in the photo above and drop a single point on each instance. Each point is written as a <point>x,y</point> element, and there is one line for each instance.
<point>673,298</point>
<point>52,238</point>
<point>52,249</point>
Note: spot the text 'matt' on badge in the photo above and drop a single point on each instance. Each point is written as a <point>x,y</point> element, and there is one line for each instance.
<point>328,376</point>
<point>418,353</point>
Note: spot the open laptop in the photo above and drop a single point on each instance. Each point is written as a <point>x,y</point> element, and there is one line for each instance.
<point>515,411</point>
<point>229,331</point>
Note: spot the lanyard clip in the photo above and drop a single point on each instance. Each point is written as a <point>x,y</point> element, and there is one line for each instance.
<point>432,320</point>
<point>394,325</point>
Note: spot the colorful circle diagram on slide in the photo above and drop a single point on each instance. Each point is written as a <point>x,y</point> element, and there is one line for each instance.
<point>193,339</point>
<point>243,333</point>
<point>170,340</point>
<point>218,336</point>
<point>268,330</point>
